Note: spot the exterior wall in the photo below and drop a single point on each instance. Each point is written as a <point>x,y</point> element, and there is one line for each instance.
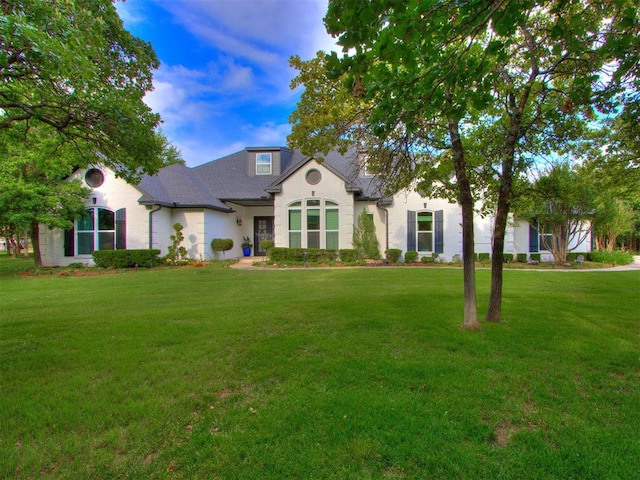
<point>410,200</point>
<point>221,225</point>
<point>113,194</point>
<point>330,187</point>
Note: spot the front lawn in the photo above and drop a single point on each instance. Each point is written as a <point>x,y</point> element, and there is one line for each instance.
<point>338,373</point>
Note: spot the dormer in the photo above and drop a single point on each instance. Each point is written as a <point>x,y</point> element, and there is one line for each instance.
<point>265,161</point>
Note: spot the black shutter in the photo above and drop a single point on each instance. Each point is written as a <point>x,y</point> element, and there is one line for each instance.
<point>121,229</point>
<point>69,242</point>
<point>533,237</point>
<point>438,231</point>
<point>411,230</point>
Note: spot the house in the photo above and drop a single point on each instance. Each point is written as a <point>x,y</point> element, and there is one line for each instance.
<point>265,193</point>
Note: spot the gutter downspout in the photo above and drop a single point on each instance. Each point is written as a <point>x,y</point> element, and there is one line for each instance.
<point>151,212</point>
<point>386,225</point>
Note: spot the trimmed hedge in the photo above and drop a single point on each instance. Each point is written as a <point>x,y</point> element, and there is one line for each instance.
<point>221,244</point>
<point>411,256</point>
<point>348,255</point>
<point>507,257</point>
<point>484,257</point>
<point>266,245</point>
<point>522,258</point>
<point>534,257</point>
<point>393,255</point>
<point>126,258</point>
<point>302,255</point>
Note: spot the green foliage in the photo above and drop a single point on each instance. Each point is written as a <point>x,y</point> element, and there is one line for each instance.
<point>71,68</point>
<point>507,257</point>
<point>280,255</point>
<point>484,257</point>
<point>365,240</point>
<point>617,257</point>
<point>534,257</point>
<point>176,253</point>
<point>522,258</point>
<point>221,244</point>
<point>411,256</point>
<point>427,259</point>
<point>393,255</point>
<point>267,245</point>
<point>246,242</point>
<point>126,258</point>
<point>348,255</point>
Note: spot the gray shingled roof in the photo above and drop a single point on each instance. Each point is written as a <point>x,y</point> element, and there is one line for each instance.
<point>178,185</point>
<point>228,179</point>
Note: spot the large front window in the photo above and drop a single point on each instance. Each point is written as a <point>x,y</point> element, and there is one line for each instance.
<point>96,230</point>
<point>425,231</point>
<point>314,223</point>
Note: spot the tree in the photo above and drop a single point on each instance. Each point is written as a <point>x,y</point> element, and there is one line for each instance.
<point>560,204</point>
<point>34,189</point>
<point>70,67</point>
<point>72,82</point>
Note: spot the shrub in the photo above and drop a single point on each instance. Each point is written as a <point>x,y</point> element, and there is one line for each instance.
<point>484,257</point>
<point>267,246</point>
<point>507,257</point>
<point>348,255</point>
<point>177,254</point>
<point>300,255</point>
<point>365,240</point>
<point>221,245</point>
<point>534,257</point>
<point>617,256</point>
<point>393,255</point>
<point>427,259</point>
<point>126,258</point>
<point>522,258</point>
<point>411,256</point>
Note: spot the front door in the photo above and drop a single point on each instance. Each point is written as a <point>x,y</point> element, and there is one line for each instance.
<point>262,230</point>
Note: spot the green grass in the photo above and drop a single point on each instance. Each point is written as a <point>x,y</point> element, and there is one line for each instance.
<point>341,373</point>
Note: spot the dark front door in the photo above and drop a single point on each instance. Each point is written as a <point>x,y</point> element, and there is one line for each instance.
<point>262,230</point>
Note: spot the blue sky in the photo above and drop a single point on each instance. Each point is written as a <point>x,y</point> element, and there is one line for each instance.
<point>224,79</point>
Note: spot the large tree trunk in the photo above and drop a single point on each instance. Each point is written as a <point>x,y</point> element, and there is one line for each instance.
<point>34,233</point>
<point>466,202</point>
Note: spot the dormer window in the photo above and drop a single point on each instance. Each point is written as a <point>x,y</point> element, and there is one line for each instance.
<point>263,164</point>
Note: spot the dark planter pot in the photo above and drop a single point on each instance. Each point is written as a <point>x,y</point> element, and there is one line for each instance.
<point>246,251</point>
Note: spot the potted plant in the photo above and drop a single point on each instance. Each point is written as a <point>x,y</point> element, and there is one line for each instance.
<point>246,246</point>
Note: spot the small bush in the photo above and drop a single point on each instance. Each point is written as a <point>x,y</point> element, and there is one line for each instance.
<point>507,257</point>
<point>393,255</point>
<point>522,258</point>
<point>534,257</point>
<point>411,256</point>
<point>221,244</point>
<point>126,258</point>
<point>484,257</point>
<point>427,259</point>
<point>266,245</point>
<point>348,255</point>
<point>617,256</point>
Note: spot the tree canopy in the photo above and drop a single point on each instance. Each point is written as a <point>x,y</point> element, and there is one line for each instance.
<point>71,67</point>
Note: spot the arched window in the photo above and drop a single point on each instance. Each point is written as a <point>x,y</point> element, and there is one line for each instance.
<point>98,229</point>
<point>314,223</point>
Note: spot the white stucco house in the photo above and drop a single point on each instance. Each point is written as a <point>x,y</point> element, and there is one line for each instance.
<point>265,193</point>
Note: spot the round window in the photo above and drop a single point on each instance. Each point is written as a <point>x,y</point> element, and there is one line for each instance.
<point>94,177</point>
<point>313,177</point>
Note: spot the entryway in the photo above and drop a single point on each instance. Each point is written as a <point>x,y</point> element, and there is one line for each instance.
<point>262,230</point>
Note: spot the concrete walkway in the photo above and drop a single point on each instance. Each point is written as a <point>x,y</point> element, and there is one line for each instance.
<point>246,263</point>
